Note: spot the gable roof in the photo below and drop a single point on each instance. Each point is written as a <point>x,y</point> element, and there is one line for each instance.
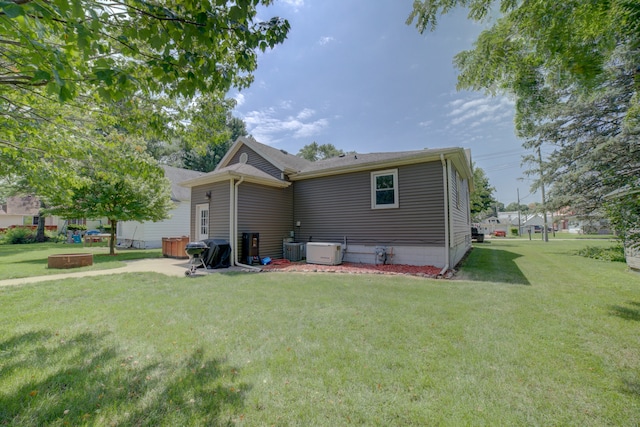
<point>176,176</point>
<point>287,163</point>
<point>237,171</point>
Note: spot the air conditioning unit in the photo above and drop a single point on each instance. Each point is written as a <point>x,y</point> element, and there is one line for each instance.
<point>293,251</point>
<point>324,253</point>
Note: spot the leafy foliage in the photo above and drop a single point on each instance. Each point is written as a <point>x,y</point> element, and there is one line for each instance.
<point>573,69</point>
<point>481,198</point>
<point>315,151</point>
<point>209,120</point>
<point>513,206</point>
<point>117,48</point>
<point>74,72</point>
<point>612,253</point>
<point>18,235</point>
<point>122,184</point>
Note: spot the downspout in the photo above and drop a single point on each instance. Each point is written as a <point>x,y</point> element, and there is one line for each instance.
<point>445,181</point>
<point>232,222</point>
<point>235,226</point>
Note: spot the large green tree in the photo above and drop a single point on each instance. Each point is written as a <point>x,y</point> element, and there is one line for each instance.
<point>481,199</point>
<point>121,183</point>
<point>71,68</point>
<point>111,49</point>
<point>209,120</point>
<point>572,67</point>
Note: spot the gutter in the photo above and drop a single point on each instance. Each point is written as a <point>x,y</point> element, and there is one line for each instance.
<point>234,229</point>
<point>446,216</point>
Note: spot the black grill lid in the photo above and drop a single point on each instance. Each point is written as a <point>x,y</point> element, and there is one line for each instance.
<point>197,245</point>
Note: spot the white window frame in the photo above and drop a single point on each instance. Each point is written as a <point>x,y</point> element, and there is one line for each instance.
<point>396,194</point>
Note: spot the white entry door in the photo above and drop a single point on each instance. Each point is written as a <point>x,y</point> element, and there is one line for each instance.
<point>202,221</point>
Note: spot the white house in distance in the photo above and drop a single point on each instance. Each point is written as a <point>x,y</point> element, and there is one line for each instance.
<point>23,211</point>
<point>149,234</point>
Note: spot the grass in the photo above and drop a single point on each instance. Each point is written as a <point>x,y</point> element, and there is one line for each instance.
<point>530,334</point>
<point>29,260</point>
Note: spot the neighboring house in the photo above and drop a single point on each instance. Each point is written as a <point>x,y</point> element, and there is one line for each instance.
<point>22,211</point>
<point>413,205</point>
<point>149,234</point>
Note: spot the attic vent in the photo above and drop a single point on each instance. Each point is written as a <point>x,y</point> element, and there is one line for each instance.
<point>284,152</point>
<point>244,157</point>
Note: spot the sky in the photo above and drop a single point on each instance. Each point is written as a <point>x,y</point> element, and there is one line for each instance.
<point>353,74</point>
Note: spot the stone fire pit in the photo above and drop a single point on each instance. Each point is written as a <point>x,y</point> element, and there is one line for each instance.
<point>70,260</point>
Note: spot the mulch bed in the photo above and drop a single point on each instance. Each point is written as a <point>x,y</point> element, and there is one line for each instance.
<point>283,265</point>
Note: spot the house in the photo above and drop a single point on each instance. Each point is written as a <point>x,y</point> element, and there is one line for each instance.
<point>21,211</point>
<point>400,207</point>
<point>149,234</point>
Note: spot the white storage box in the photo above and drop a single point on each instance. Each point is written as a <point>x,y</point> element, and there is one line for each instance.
<point>324,253</point>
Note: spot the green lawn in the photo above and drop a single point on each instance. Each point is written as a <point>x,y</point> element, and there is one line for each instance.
<point>29,260</point>
<point>529,334</point>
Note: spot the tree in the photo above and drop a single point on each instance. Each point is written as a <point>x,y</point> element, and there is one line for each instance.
<point>595,150</point>
<point>481,199</point>
<point>314,152</point>
<point>572,67</point>
<point>111,49</point>
<point>69,67</point>
<point>131,190</point>
<point>209,120</point>
<point>514,207</point>
<point>538,43</point>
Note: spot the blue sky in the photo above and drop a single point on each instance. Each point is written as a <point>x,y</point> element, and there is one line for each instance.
<point>353,74</point>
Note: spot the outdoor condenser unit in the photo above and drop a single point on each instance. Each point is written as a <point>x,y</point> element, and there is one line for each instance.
<point>324,253</point>
<point>293,251</point>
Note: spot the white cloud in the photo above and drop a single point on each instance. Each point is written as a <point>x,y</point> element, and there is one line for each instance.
<point>325,40</point>
<point>239,99</point>
<point>305,114</point>
<point>479,111</point>
<point>268,127</point>
<point>294,3</point>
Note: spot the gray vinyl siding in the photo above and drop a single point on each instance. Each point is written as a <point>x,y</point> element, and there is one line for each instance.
<point>459,210</point>
<point>332,208</point>
<point>257,161</point>
<point>267,211</point>
<point>197,197</point>
<point>219,211</point>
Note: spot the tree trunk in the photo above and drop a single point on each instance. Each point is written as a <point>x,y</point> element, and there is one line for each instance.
<point>40,236</point>
<point>112,240</point>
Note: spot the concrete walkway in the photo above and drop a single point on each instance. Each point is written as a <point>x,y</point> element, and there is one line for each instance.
<point>168,266</point>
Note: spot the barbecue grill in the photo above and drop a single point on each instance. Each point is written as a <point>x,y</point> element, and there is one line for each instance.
<point>195,250</point>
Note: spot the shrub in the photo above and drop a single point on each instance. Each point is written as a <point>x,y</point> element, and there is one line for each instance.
<point>612,253</point>
<point>19,235</point>
<point>73,227</point>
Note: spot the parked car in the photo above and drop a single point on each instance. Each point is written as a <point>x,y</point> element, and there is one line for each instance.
<point>477,236</point>
<point>500,233</point>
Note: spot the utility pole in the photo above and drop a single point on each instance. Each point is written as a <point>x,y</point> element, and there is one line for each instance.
<point>519,223</point>
<point>544,205</point>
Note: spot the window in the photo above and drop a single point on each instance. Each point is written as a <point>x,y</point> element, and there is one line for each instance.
<point>384,189</point>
